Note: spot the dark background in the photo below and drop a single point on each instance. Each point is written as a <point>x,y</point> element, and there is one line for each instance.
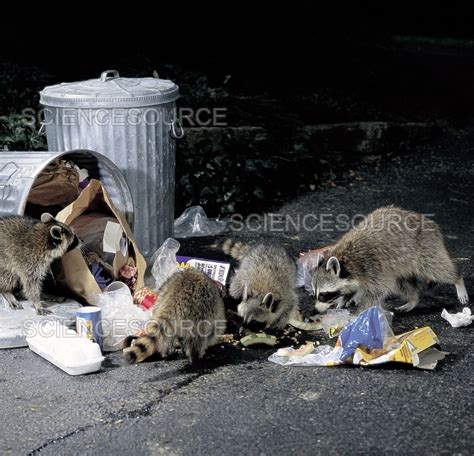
<point>310,93</point>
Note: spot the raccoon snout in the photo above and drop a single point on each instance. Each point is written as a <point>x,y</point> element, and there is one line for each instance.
<point>322,307</point>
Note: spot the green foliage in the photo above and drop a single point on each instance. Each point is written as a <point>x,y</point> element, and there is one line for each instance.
<point>20,132</point>
<point>241,171</point>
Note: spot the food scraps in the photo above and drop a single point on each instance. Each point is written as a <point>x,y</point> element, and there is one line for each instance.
<point>259,338</point>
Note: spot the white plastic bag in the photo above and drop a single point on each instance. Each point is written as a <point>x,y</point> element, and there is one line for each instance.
<point>305,267</point>
<point>14,323</point>
<point>194,222</point>
<point>120,316</point>
<point>335,318</point>
<point>164,263</point>
<point>458,320</point>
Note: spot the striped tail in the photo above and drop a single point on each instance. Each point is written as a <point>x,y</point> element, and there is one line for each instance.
<point>235,249</point>
<point>137,349</point>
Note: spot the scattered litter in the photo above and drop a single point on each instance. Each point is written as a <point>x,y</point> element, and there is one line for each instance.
<point>305,325</point>
<point>194,222</point>
<point>460,319</point>
<point>14,323</point>
<point>145,298</point>
<point>304,350</point>
<point>89,324</point>
<point>334,320</point>
<point>305,266</point>
<point>368,341</point>
<point>64,348</point>
<point>259,338</point>
<point>120,316</point>
<point>165,263</point>
<point>217,270</point>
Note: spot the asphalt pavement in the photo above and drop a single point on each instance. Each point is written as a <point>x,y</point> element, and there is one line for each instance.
<point>237,402</point>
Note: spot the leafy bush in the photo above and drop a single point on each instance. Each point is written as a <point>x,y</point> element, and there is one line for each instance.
<point>18,132</point>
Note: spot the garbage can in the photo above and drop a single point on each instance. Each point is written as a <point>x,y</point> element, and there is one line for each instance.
<point>133,122</point>
<point>19,170</point>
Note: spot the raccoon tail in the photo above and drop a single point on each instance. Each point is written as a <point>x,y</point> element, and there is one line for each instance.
<point>137,349</point>
<point>235,249</point>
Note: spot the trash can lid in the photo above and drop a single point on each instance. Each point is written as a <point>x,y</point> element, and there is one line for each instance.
<point>110,91</point>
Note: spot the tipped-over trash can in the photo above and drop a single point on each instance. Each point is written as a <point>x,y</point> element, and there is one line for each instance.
<point>19,171</point>
<point>133,122</point>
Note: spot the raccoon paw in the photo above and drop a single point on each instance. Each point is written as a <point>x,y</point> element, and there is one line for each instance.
<point>14,304</point>
<point>43,311</point>
<point>463,297</point>
<point>12,301</point>
<point>406,307</point>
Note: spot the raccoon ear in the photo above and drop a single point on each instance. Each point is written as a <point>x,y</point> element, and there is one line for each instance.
<point>334,266</point>
<point>267,300</point>
<point>55,232</point>
<point>47,217</point>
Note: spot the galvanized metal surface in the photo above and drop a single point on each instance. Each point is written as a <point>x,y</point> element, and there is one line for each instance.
<point>18,171</point>
<point>138,138</point>
<point>110,91</point>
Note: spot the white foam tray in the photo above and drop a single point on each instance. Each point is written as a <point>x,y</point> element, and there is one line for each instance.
<point>85,367</point>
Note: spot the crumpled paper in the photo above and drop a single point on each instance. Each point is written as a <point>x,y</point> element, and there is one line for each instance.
<point>458,320</point>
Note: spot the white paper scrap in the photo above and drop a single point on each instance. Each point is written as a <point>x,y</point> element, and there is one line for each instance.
<point>459,319</point>
<point>112,236</point>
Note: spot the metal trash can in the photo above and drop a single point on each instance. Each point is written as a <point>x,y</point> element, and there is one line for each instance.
<point>19,170</point>
<point>133,122</point>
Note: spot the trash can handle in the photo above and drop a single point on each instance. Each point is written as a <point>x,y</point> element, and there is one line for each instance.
<point>109,74</point>
<point>177,130</point>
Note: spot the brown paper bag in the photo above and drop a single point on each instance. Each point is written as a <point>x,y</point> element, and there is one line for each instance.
<point>76,276</point>
<point>56,185</point>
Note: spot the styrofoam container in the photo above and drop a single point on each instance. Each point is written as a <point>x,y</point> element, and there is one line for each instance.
<point>84,367</point>
<point>65,349</point>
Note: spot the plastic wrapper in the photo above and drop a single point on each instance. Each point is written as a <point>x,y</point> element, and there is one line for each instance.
<point>120,316</point>
<point>334,320</point>
<point>368,341</point>
<point>369,330</point>
<point>194,222</point>
<point>164,263</point>
<point>460,319</point>
<point>14,323</point>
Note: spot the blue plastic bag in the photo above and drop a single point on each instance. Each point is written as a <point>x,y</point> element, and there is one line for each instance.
<point>369,329</point>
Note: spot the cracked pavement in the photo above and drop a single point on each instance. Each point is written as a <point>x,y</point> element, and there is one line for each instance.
<point>239,403</point>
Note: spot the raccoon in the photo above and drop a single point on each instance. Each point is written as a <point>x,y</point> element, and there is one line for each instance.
<point>189,311</point>
<point>27,249</point>
<point>392,252</point>
<point>265,282</point>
